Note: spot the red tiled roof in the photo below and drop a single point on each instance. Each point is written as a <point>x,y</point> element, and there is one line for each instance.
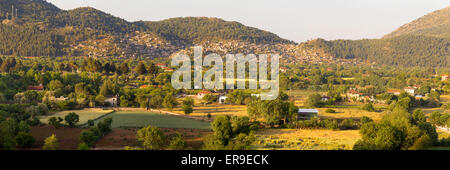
<point>353,92</point>
<point>40,87</point>
<point>393,91</point>
<point>205,92</point>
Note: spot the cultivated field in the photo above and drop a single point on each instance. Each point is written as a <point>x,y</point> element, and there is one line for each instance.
<point>85,115</point>
<point>68,138</point>
<point>349,113</point>
<point>142,119</point>
<point>297,139</point>
<point>214,109</point>
<point>445,99</point>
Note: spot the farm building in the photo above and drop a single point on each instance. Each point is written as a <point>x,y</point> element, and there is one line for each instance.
<point>445,77</point>
<point>222,99</point>
<point>307,113</point>
<point>410,90</point>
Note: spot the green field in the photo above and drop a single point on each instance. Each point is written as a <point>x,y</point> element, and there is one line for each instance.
<point>142,119</point>
<point>85,115</point>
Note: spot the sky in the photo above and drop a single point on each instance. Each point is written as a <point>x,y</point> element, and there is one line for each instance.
<point>297,20</point>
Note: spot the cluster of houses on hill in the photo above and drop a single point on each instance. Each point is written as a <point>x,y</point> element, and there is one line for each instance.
<point>354,94</point>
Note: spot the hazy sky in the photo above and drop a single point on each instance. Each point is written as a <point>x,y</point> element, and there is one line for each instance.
<point>297,20</point>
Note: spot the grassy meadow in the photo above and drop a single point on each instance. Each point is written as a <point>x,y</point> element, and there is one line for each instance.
<point>142,119</point>
<point>299,139</point>
<point>85,115</point>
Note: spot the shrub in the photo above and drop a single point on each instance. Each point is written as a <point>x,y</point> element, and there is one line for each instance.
<point>177,142</point>
<point>368,107</point>
<point>347,124</point>
<point>25,140</point>
<point>71,119</point>
<point>88,137</point>
<point>151,137</point>
<point>51,143</point>
<point>187,109</point>
<point>83,146</point>
<point>55,122</point>
<point>330,111</point>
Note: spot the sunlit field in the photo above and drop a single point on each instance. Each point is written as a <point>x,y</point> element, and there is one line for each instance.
<point>297,139</point>
<point>84,115</point>
<point>349,113</point>
<point>142,119</point>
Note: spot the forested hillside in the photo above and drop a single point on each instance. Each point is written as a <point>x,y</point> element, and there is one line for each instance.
<point>401,51</point>
<point>198,29</point>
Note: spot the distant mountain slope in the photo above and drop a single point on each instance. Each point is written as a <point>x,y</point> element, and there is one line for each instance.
<point>408,50</point>
<point>28,10</point>
<point>199,29</point>
<point>88,17</point>
<point>436,24</point>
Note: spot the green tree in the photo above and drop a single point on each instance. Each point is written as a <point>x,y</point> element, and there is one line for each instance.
<point>25,140</point>
<point>151,138</point>
<point>368,107</point>
<point>170,102</point>
<point>72,119</point>
<point>177,142</point>
<point>418,116</point>
<point>55,122</point>
<point>314,100</point>
<point>140,68</point>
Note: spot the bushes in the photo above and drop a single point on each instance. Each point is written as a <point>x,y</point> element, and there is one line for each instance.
<point>90,136</point>
<point>151,138</point>
<point>71,119</point>
<point>177,142</point>
<point>396,131</point>
<point>187,105</point>
<point>368,107</point>
<point>330,111</point>
<point>231,133</point>
<point>25,140</point>
<point>55,122</point>
<point>51,143</point>
<point>316,123</point>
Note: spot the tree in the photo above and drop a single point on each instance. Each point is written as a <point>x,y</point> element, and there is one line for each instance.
<point>153,70</point>
<point>187,109</point>
<point>124,69</point>
<point>71,119</point>
<point>51,143</point>
<point>88,137</point>
<point>368,107</point>
<point>222,128</point>
<point>418,116</point>
<point>24,127</point>
<point>314,100</point>
<point>156,102</point>
<point>177,142</point>
<point>140,68</point>
<point>150,137</point>
<point>105,125</point>
<point>169,102</point>
<point>55,122</point>
<point>25,140</point>
<point>187,105</point>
